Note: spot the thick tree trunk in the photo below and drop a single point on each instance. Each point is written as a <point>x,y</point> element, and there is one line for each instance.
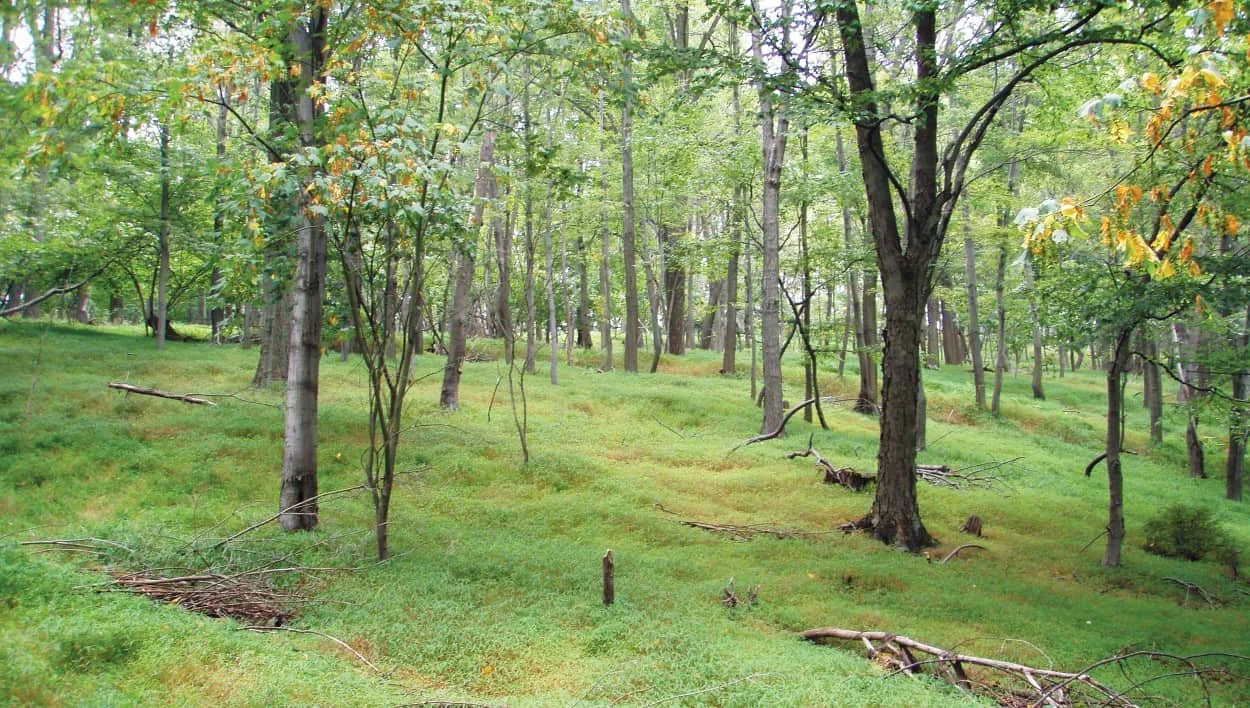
<point>116,309</point>
<point>952,344</point>
<point>456,338</point>
<point>1193,449</point>
<point>299,455</point>
<point>82,307</point>
<point>653,300</point>
<point>775,127</point>
<point>1115,475</point>
<point>275,337</point>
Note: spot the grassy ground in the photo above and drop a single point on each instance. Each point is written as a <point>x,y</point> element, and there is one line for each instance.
<point>493,592</point>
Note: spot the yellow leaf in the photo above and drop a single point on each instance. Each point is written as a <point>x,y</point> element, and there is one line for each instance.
<point>488,670</point>
<point>1212,77</point>
<point>1150,81</point>
<point>1231,224</point>
<point>1165,269</point>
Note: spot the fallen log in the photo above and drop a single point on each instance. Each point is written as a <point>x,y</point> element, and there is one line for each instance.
<point>160,394</point>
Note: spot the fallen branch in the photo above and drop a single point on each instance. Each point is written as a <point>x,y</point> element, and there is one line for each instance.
<point>336,640</point>
<point>844,476</point>
<point>701,691</point>
<point>160,394</point>
<point>1192,587</point>
<point>1044,686</point>
<point>781,428</point>
<point>287,510</point>
<point>971,477</point>
<point>743,532</point>
<point>955,552</point>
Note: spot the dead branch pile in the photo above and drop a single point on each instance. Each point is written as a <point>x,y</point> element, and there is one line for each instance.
<point>978,476</point>
<point>744,532</point>
<point>844,476</point>
<point>1014,684</point>
<point>242,596</point>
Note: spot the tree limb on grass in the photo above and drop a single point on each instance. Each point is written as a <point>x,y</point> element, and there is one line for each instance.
<point>780,428</point>
<point>185,398</point>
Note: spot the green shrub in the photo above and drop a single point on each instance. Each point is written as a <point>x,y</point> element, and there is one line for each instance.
<point>1187,532</point>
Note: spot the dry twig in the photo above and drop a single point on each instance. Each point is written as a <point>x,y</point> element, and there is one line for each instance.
<point>336,640</point>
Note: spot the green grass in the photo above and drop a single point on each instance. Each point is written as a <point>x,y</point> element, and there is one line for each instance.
<point>493,592</point>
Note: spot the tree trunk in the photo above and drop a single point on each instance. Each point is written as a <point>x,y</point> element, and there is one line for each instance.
<point>653,300</point>
<point>299,455</point>
<point>952,347</point>
<point>1152,389</point>
<point>1000,358</point>
<point>1115,476</point>
<point>605,249</point>
<point>1235,465</point>
<point>932,337</point>
<point>456,337</point>
<point>674,289</point>
<point>707,328</point>
<point>553,328</point>
<point>774,125</point>
<point>583,303</point>
<point>627,205</point>
<point>974,321</point>
<point>864,303</point>
<point>162,280</point>
<point>116,309</point>
<point>82,307</point>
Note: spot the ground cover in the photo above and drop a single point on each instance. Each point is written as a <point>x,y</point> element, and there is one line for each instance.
<point>492,596</point>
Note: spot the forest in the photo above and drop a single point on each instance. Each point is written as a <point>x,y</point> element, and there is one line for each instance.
<point>637,352</point>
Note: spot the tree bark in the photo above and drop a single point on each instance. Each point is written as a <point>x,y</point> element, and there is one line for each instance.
<point>1152,389</point>
<point>605,250</point>
<point>162,241</point>
<point>627,206</point>
<point>1115,476</point>
<point>1235,465</point>
<point>774,126</point>
<point>974,321</point>
<point>1000,356</point>
<point>456,339</point>
<point>299,455</point>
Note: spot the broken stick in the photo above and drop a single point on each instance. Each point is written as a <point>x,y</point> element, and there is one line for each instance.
<point>160,394</point>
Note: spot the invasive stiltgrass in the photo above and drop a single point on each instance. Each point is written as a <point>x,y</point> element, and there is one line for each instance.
<point>493,591</point>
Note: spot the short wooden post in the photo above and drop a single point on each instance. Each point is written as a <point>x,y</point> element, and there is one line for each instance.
<point>609,581</point>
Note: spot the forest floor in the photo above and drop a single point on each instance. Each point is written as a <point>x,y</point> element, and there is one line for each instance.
<point>492,595</point>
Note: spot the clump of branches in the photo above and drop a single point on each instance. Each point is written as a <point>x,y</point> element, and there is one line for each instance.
<point>1015,684</point>
<point>244,596</point>
<point>979,476</point>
